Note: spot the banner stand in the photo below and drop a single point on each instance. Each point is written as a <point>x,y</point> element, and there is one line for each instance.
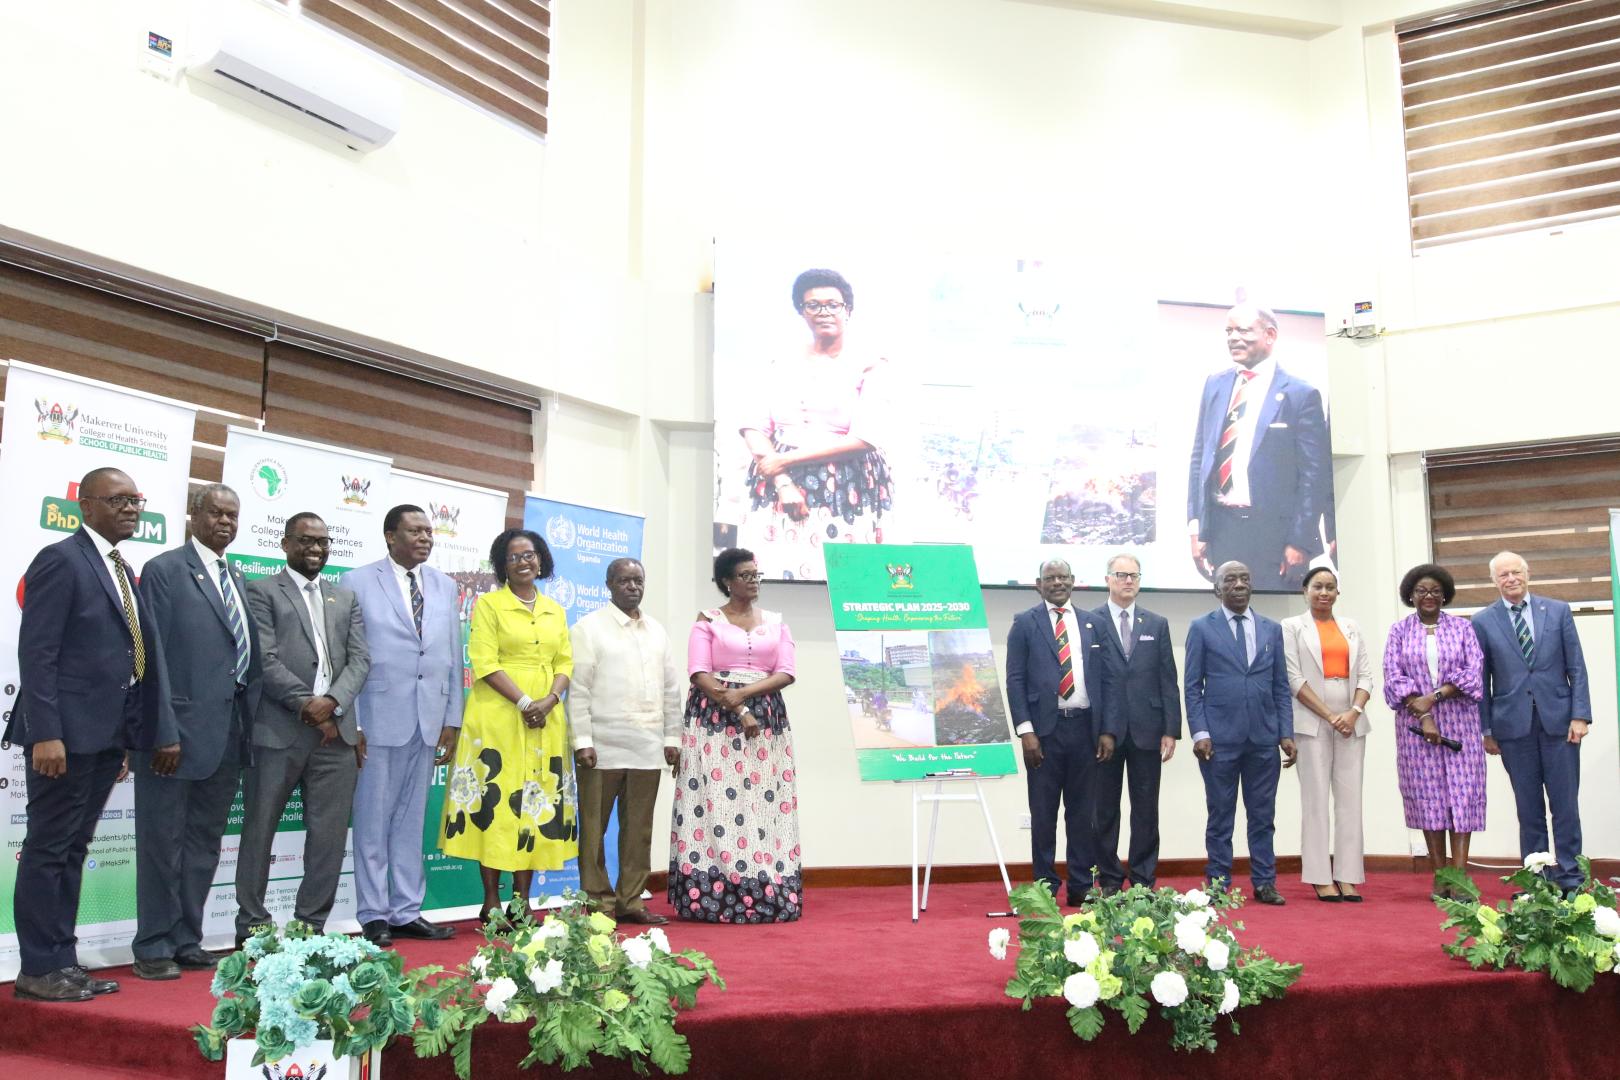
<point>937,796</point>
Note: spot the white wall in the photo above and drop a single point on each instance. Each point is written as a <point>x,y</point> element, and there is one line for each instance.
<point>1231,145</point>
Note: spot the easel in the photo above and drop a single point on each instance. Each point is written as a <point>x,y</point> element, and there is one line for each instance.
<point>937,796</point>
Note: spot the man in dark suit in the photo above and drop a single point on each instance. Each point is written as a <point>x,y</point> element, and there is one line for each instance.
<point>304,732</point>
<point>1055,691</point>
<point>1138,665</point>
<point>212,658</point>
<point>1536,710</point>
<point>1261,474</point>
<point>1240,712</point>
<point>93,687</point>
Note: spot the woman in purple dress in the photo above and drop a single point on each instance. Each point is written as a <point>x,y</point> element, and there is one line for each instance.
<point>734,847</point>
<point>1433,680</point>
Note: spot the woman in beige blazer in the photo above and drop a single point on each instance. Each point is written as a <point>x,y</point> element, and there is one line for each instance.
<point>1330,674</point>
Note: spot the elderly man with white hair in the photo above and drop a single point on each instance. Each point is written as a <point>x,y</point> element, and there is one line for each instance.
<point>1536,710</point>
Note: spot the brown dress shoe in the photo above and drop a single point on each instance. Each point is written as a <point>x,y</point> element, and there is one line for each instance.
<point>63,984</point>
<point>641,917</point>
<point>160,970</point>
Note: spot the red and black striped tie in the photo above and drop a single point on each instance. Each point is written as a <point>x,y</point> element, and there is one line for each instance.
<point>1229,433</point>
<point>1065,662</point>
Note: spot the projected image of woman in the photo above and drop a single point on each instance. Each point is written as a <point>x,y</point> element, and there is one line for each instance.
<point>818,473</point>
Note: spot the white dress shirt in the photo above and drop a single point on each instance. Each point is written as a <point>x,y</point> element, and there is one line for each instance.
<point>624,698</point>
<point>106,548</point>
<point>1265,373</point>
<point>1076,698</point>
<point>404,584</point>
<point>1113,618</point>
<point>1529,621</point>
<point>317,616</point>
<point>1248,641</point>
<point>211,562</point>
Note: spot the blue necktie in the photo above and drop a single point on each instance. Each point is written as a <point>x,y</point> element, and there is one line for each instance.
<point>1527,644</point>
<point>1243,644</point>
<point>233,616</point>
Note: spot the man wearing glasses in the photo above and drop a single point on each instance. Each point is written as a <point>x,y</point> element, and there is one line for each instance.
<point>1139,686</point>
<point>304,731</point>
<point>93,688</point>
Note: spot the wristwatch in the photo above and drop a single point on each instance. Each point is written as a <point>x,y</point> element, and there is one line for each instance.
<point>1356,709</point>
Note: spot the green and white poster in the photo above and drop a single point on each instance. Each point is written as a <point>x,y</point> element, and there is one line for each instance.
<point>918,665</point>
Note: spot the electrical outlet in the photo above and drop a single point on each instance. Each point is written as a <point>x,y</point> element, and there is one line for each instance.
<point>1023,821</point>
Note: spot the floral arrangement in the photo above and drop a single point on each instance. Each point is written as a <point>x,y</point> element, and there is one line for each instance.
<point>1134,948</point>
<point>581,988</point>
<point>1573,938</point>
<point>293,987</point>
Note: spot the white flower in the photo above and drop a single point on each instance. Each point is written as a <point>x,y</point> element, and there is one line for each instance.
<point>998,942</point>
<point>1616,968</point>
<point>1537,861</point>
<point>548,978</point>
<point>500,995</point>
<point>1081,990</point>
<point>552,927</point>
<point>1607,920</point>
<point>638,950</point>
<point>1195,898</point>
<point>479,963</point>
<point>1201,917</point>
<point>1190,936</point>
<point>1229,998</point>
<point>1081,951</point>
<point>1169,988</point>
<point>659,939</point>
<point>1217,953</point>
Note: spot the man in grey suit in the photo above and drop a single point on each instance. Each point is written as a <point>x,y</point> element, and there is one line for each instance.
<point>304,734</point>
<point>1536,710</point>
<point>211,648</point>
<point>1138,663</point>
<point>410,711</point>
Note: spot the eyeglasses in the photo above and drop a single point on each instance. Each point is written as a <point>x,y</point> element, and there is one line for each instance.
<point>117,502</point>
<point>816,307</point>
<point>750,576</point>
<point>1441,593</point>
<point>522,556</point>
<point>1124,575</point>
<point>312,541</point>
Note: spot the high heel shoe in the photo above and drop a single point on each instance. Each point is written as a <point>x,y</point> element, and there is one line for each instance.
<point>1347,897</point>
<point>1327,898</point>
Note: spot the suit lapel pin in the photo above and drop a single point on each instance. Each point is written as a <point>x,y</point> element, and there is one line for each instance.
<point>1279,395</point>
<point>199,577</point>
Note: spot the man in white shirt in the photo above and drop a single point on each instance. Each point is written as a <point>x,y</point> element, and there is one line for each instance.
<point>1261,473</point>
<point>624,706</point>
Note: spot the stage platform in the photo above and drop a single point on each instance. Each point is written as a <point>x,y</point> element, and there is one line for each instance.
<point>856,990</point>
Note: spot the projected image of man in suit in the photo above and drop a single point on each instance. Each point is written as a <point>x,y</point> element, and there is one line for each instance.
<point>1261,473</point>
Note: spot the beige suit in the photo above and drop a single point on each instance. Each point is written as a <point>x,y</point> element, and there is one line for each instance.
<point>1329,763</point>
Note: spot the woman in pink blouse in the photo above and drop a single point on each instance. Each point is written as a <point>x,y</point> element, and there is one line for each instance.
<point>734,844</point>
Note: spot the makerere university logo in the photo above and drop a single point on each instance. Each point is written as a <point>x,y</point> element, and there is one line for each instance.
<point>268,479</point>
<point>445,519</point>
<point>56,420</point>
<point>900,576</point>
<point>560,532</point>
<point>355,490</point>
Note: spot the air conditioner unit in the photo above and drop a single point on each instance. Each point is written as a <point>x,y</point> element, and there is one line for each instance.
<point>294,70</point>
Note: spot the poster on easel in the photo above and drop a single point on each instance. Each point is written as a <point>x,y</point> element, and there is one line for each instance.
<point>59,427</point>
<point>917,663</point>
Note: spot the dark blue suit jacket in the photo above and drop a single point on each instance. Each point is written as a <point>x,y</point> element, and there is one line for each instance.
<point>1290,467</point>
<point>200,654</point>
<point>1554,689</point>
<point>1142,689</point>
<point>1235,701</point>
<point>75,654</point>
<point>1033,672</point>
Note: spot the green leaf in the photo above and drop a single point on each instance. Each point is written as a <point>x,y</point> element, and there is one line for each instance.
<point>1134,1007</point>
<point>1454,879</point>
<point>668,1049</point>
<point>1086,1023</point>
<point>209,1042</point>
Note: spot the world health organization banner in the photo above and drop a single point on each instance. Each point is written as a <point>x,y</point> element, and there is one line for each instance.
<point>919,670</point>
<point>466,520</point>
<point>276,477</point>
<point>583,540</point>
<point>59,427</point>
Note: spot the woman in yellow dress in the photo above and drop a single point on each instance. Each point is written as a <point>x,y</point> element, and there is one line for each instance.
<point>511,803</point>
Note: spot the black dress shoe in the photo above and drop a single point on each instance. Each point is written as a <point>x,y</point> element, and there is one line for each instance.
<point>1333,897</point>
<point>63,984</point>
<point>159,970</point>
<point>1268,894</point>
<point>376,932</point>
<point>1110,890</point>
<point>421,928</point>
<point>196,958</point>
<point>97,986</point>
<point>641,917</point>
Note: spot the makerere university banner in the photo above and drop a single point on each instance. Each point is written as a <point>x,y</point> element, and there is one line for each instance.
<point>57,428</point>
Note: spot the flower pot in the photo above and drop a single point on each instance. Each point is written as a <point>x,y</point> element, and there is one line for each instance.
<point>313,1062</point>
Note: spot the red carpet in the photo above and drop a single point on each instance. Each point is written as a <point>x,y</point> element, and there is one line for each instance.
<point>856,990</point>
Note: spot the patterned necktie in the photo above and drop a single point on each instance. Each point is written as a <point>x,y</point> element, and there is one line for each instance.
<point>1229,433</point>
<point>416,601</point>
<point>313,591</point>
<point>1527,644</point>
<point>130,618</point>
<point>233,616</point>
<point>1065,661</point>
<point>1125,632</point>
<point>1243,642</point>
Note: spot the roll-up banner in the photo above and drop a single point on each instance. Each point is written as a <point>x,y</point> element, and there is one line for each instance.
<point>57,428</point>
<point>466,520</point>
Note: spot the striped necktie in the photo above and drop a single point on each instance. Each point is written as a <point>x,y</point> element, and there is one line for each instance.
<point>1065,660</point>
<point>233,616</point>
<point>1527,644</point>
<point>1229,433</point>
<point>131,620</point>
